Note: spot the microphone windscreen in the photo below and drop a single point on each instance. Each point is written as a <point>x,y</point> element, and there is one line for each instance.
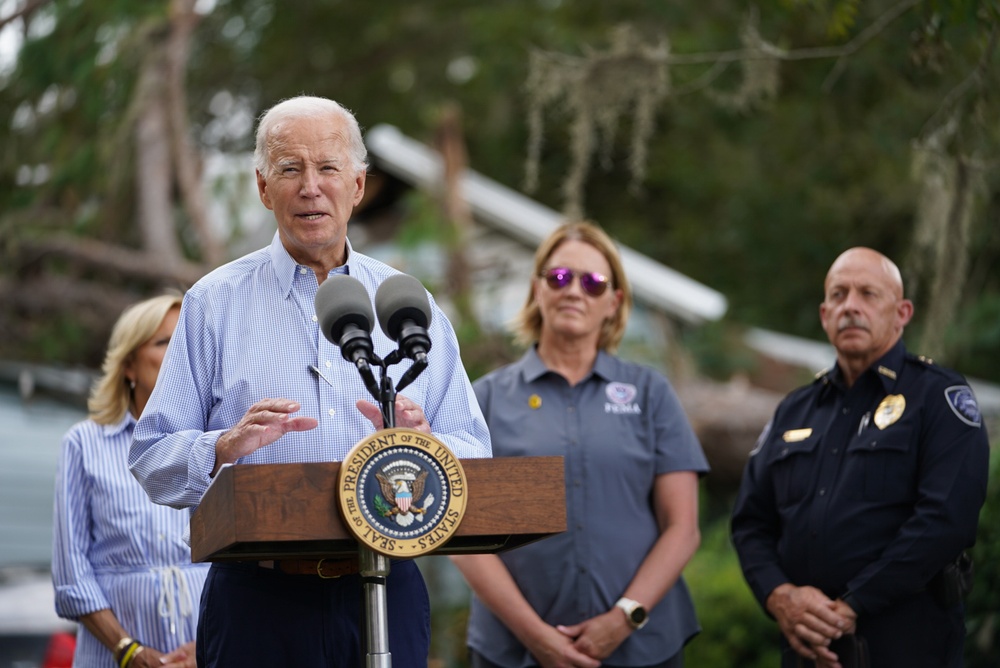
<point>401,297</point>
<point>342,300</point>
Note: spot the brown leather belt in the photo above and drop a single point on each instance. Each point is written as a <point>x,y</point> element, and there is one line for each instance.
<point>324,568</point>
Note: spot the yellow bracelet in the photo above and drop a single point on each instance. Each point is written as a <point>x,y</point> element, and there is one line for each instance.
<point>120,647</point>
<point>129,654</point>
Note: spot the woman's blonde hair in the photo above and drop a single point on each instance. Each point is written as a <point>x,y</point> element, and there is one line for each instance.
<point>111,395</point>
<point>527,325</point>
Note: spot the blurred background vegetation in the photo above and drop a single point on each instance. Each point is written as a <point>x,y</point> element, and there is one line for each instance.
<point>743,144</point>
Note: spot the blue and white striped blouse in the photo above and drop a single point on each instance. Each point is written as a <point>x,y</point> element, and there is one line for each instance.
<point>249,331</point>
<point>114,548</point>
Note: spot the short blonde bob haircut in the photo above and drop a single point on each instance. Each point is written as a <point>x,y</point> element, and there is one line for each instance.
<point>111,395</point>
<point>527,325</point>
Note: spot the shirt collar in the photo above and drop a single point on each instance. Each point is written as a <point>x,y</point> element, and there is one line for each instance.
<point>285,266</point>
<point>886,369</point>
<point>533,368</point>
<point>126,423</point>
<point>890,366</point>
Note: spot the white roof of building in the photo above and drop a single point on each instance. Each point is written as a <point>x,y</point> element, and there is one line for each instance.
<point>503,208</point>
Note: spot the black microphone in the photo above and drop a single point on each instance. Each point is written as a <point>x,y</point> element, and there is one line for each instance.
<point>404,313</point>
<point>345,318</point>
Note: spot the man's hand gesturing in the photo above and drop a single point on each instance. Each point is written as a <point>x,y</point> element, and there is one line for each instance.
<point>264,423</point>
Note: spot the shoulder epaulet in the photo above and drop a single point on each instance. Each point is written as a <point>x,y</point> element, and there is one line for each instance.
<point>822,376</point>
<point>927,364</point>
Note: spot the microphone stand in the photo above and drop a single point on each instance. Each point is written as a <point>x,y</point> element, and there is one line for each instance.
<point>373,566</point>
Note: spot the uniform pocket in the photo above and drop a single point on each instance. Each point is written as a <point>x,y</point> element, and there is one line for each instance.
<point>792,465</point>
<point>885,462</point>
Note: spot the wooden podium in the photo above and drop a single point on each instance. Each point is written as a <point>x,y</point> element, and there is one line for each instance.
<point>286,511</point>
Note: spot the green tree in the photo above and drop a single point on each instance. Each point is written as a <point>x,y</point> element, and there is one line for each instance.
<point>740,183</point>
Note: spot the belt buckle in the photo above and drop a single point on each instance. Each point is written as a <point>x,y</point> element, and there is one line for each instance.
<point>319,571</point>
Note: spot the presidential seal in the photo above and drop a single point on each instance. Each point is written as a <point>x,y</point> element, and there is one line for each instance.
<point>402,493</point>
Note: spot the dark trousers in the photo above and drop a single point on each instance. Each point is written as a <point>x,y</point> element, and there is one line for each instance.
<point>254,616</point>
<point>677,661</point>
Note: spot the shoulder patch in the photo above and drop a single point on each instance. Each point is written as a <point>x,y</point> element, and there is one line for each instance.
<point>963,403</point>
<point>762,438</point>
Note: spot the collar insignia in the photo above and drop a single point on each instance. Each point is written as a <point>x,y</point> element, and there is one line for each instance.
<point>796,435</point>
<point>885,371</point>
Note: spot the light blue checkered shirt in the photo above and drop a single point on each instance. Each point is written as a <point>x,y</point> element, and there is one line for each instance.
<point>248,331</point>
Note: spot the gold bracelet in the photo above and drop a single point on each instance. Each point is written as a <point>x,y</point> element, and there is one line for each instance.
<point>120,647</point>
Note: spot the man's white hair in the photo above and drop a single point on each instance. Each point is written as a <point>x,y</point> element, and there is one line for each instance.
<point>307,106</point>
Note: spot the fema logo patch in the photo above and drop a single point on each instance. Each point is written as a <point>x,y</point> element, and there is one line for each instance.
<point>963,403</point>
<point>620,399</point>
<point>620,393</point>
<point>402,493</point>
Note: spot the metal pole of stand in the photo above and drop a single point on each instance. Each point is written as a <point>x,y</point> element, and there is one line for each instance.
<point>375,566</point>
<point>374,571</point>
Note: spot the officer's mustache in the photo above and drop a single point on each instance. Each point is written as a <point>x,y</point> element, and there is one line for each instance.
<point>851,321</point>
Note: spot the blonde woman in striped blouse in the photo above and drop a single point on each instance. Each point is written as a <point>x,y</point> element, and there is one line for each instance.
<point>121,564</point>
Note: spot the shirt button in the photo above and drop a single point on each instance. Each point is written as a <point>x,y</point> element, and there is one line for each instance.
<point>302,270</point>
<point>332,412</point>
<point>822,492</point>
<point>845,410</point>
<point>834,451</point>
<point>315,319</point>
<point>329,364</point>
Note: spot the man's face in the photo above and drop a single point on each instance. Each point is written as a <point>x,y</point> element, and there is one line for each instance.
<point>312,187</point>
<point>863,311</point>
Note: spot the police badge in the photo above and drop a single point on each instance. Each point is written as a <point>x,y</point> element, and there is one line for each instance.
<point>402,492</point>
<point>890,410</point>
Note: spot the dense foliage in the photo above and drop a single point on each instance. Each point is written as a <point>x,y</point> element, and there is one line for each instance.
<point>753,196</point>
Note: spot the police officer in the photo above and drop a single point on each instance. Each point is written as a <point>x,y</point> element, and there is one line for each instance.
<point>864,490</point>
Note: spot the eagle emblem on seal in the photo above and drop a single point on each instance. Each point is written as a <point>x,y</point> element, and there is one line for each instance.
<point>402,491</point>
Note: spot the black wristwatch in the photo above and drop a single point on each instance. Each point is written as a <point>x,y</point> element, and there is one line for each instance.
<point>635,614</point>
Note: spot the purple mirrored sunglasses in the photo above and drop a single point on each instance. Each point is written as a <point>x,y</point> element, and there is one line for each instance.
<point>593,283</point>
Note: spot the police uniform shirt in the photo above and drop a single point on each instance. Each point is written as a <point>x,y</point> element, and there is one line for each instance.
<point>618,429</point>
<point>864,492</point>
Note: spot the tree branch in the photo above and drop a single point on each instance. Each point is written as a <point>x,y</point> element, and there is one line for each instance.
<point>975,77</point>
<point>183,20</point>
<point>126,261</point>
<point>736,55</point>
<point>28,8</point>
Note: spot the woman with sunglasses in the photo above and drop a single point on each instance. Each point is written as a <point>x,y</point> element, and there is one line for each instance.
<point>608,591</point>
